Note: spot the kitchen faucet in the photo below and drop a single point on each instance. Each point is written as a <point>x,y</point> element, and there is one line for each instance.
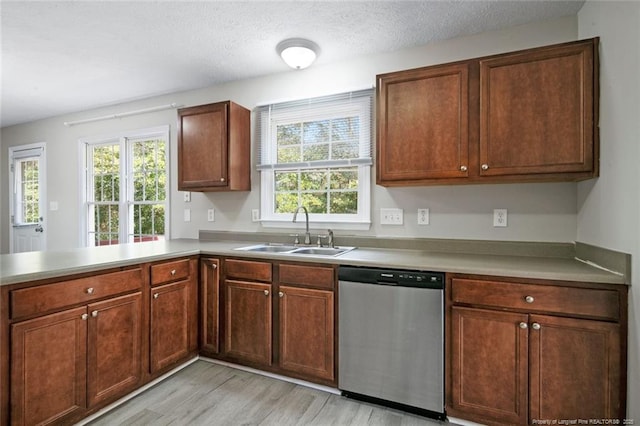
<point>307,235</point>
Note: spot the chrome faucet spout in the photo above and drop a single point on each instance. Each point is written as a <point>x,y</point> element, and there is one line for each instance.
<point>307,235</point>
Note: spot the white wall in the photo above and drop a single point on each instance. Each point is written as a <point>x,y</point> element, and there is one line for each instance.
<point>609,207</point>
<point>537,212</point>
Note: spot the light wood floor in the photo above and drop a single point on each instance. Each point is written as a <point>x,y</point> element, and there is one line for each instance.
<point>209,394</point>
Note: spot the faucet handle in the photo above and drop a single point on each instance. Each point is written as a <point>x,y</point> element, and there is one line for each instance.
<point>330,242</point>
<point>297,240</point>
<point>320,237</point>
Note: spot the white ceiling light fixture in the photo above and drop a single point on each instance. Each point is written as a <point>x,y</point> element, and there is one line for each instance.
<point>298,53</point>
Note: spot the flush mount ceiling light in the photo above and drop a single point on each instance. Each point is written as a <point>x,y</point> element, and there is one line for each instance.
<point>298,53</point>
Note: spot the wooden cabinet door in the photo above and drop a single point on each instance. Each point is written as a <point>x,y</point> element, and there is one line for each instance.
<point>307,331</point>
<point>537,111</point>
<point>48,368</point>
<point>489,366</point>
<point>114,352</point>
<point>248,321</point>
<point>574,369</point>
<point>202,146</point>
<point>423,124</point>
<point>170,324</point>
<point>210,305</point>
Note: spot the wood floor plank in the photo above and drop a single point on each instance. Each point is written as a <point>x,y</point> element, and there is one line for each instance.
<point>209,394</point>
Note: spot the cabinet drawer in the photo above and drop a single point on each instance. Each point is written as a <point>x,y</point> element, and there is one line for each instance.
<point>315,276</point>
<point>248,270</point>
<point>540,298</point>
<point>35,300</point>
<point>169,271</point>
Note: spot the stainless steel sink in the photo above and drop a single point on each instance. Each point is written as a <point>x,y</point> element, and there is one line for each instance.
<point>323,251</point>
<point>289,249</point>
<point>268,248</point>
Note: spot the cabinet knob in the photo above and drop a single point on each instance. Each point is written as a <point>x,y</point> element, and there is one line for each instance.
<point>463,168</point>
<point>266,292</point>
<point>214,266</point>
<point>173,272</point>
<point>529,299</point>
<point>523,325</point>
<point>485,167</point>
<point>90,290</point>
<point>221,179</point>
<point>281,294</point>
<point>94,314</point>
<point>155,296</point>
<point>84,317</point>
<point>535,326</point>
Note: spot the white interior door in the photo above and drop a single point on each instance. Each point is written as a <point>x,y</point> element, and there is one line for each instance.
<point>28,213</point>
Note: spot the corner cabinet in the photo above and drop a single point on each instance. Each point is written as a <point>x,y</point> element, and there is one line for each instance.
<point>214,148</point>
<point>525,116</point>
<point>525,351</point>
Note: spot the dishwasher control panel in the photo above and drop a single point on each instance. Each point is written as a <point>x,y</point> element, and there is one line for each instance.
<point>382,276</point>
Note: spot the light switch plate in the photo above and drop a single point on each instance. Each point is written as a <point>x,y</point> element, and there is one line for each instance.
<point>211,215</point>
<point>187,215</point>
<point>255,215</point>
<point>391,216</point>
<point>187,196</point>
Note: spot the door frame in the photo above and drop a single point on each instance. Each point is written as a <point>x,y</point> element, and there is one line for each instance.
<point>42,189</point>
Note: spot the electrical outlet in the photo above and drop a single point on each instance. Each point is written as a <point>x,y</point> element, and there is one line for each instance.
<point>211,215</point>
<point>391,216</point>
<point>423,216</point>
<point>255,215</point>
<point>187,215</point>
<point>187,196</point>
<point>500,218</point>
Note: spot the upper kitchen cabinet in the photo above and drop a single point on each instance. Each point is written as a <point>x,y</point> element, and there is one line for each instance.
<point>422,124</point>
<point>537,113</point>
<point>214,148</point>
<point>518,117</point>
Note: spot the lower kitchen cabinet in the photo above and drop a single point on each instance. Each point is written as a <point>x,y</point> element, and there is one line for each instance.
<point>174,313</point>
<point>114,347</point>
<point>66,362</point>
<point>280,317</point>
<point>210,306</point>
<point>49,368</point>
<point>307,331</point>
<point>489,364</point>
<point>521,352</point>
<point>248,321</point>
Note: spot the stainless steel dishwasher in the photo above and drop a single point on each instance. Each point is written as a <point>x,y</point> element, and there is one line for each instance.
<point>391,338</point>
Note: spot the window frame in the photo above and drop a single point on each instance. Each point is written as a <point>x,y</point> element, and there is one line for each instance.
<point>125,205</point>
<point>269,119</point>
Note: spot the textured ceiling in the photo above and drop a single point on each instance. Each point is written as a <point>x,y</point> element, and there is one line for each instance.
<point>60,57</point>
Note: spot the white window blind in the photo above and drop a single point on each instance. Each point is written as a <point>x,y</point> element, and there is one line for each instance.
<point>316,153</point>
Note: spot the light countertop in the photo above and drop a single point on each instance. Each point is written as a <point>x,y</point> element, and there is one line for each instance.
<point>22,267</point>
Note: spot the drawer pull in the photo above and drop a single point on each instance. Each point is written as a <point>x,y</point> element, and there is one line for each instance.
<point>523,325</point>
<point>155,296</point>
<point>90,290</point>
<point>281,294</point>
<point>529,299</point>
<point>94,314</point>
<point>214,266</point>
<point>535,326</point>
<point>84,317</point>
<point>173,272</point>
<point>463,168</point>
<point>266,292</point>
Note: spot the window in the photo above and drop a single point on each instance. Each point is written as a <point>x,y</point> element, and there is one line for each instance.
<point>317,154</point>
<point>125,196</point>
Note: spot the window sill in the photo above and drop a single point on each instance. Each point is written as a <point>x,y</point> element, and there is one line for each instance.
<point>349,226</point>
